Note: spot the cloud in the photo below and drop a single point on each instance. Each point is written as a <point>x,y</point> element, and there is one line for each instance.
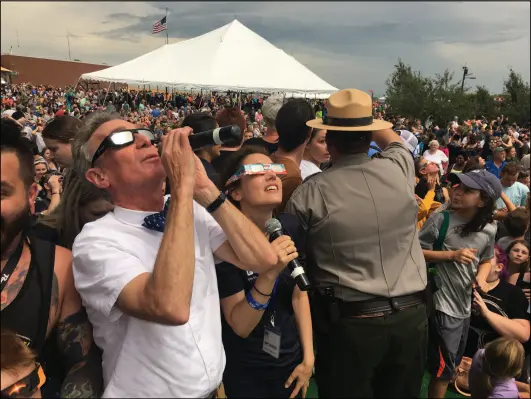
<point>346,43</point>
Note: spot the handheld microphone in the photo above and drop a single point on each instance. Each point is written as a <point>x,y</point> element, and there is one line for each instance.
<point>228,136</point>
<point>273,227</point>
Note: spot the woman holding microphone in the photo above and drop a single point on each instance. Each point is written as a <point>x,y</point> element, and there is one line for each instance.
<point>267,328</point>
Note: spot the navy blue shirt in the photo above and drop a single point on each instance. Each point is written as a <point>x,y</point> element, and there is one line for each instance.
<point>212,174</point>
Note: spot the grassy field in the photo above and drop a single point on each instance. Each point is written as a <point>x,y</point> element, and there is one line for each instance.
<point>312,391</point>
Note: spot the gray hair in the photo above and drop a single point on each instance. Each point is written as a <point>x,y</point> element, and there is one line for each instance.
<point>82,159</point>
<point>270,109</point>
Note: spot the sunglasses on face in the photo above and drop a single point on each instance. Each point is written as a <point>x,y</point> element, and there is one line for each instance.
<point>121,139</point>
<point>257,169</point>
<point>27,386</point>
<point>426,165</point>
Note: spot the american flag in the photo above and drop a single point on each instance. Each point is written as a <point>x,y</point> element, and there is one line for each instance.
<point>160,26</point>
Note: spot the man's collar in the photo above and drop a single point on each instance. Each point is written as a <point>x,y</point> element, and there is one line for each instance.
<point>352,159</point>
<point>131,217</point>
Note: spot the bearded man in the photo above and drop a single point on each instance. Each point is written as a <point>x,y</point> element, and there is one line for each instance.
<point>39,301</point>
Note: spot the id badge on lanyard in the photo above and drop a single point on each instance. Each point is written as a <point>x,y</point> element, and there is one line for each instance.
<point>272,333</point>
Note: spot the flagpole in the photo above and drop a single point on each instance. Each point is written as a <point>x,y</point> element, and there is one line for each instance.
<point>166,25</point>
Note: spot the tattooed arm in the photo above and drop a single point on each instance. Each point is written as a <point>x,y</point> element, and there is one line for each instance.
<point>80,356</point>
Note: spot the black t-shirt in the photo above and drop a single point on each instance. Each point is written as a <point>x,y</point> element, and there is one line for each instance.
<point>471,151</point>
<point>45,232</point>
<point>245,355</point>
<point>454,149</point>
<point>41,204</point>
<point>270,147</point>
<point>211,172</point>
<point>505,299</point>
<point>421,189</point>
<point>220,162</point>
<point>486,152</point>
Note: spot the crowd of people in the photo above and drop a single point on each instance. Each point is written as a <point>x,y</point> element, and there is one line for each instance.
<point>134,266</point>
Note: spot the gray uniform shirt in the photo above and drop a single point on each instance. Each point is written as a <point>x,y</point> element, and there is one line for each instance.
<point>360,220</point>
<point>454,297</point>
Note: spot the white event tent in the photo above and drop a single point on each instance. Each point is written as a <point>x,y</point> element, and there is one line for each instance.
<point>217,60</point>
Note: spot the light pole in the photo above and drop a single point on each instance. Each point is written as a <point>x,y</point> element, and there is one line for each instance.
<point>68,41</point>
<point>466,75</point>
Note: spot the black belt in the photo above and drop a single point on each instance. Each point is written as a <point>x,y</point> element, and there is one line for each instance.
<point>380,305</point>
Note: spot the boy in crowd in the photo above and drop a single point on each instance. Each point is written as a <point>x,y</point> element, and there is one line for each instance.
<point>21,376</point>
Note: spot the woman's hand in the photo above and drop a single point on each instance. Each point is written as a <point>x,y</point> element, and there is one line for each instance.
<point>432,182</point>
<point>302,374</point>
<point>464,255</point>
<point>55,183</point>
<point>480,305</point>
<point>285,249</point>
<point>286,252</point>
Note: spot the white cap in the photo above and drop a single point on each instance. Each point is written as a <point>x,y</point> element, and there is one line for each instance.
<point>409,139</point>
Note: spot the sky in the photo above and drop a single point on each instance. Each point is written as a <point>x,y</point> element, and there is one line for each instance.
<point>348,44</point>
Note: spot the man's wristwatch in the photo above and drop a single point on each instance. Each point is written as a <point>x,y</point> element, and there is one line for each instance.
<point>216,203</point>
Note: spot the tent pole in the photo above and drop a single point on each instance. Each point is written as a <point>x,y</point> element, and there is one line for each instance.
<point>75,87</point>
<point>167,99</point>
<point>106,94</point>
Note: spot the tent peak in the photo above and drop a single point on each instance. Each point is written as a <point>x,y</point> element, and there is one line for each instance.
<point>213,62</point>
<point>235,24</point>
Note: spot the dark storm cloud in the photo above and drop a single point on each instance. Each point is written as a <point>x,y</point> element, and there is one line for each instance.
<point>353,32</point>
<point>341,31</point>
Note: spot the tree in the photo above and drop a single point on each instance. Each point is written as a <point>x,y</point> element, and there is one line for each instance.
<point>516,102</point>
<point>448,100</point>
<point>484,104</point>
<point>411,95</point>
<point>408,92</point>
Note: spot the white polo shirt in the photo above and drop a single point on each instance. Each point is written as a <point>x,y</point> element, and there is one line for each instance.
<point>142,358</point>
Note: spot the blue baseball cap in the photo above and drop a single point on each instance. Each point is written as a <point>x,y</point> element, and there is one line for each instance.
<point>482,180</point>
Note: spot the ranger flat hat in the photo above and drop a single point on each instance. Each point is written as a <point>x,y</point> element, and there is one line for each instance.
<point>349,110</point>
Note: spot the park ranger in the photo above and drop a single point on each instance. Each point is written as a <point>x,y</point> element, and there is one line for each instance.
<point>364,257</point>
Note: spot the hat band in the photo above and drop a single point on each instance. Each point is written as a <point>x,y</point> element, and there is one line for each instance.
<point>348,122</point>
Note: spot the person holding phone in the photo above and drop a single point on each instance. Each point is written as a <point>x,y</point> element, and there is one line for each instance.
<point>51,188</point>
<point>499,313</point>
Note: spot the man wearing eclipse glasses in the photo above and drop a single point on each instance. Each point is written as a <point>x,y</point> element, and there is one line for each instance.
<point>146,271</point>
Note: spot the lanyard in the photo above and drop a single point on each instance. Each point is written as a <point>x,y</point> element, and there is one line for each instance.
<point>12,263</point>
<point>272,304</point>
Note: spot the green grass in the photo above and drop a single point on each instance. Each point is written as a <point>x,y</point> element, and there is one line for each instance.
<point>312,390</point>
